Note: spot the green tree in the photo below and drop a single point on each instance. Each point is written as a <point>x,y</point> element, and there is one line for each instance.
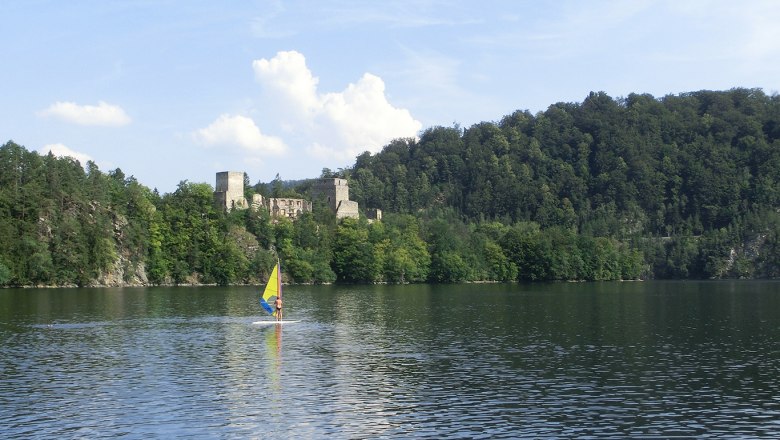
<point>5,274</point>
<point>448,267</point>
<point>353,255</point>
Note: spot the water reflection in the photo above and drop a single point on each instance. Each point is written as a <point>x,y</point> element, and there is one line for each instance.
<point>273,341</point>
<point>565,360</point>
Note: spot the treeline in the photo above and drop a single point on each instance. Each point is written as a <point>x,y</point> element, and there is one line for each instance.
<point>679,187</point>
<point>689,181</point>
<point>63,225</point>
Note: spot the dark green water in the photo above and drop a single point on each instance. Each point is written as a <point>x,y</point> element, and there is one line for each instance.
<point>649,359</point>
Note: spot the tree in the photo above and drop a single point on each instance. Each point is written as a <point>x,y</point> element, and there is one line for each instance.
<point>5,274</point>
<point>353,256</point>
<point>678,186</point>
<point>448,267</point>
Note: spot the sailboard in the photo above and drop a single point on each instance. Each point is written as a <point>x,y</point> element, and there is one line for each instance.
<point>273,290</point>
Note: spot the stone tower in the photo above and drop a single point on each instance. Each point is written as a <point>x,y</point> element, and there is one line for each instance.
<point>229,193</point>
<point>335,192</point>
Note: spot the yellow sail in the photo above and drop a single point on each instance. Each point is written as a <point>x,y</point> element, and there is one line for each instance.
<point>272,290</point>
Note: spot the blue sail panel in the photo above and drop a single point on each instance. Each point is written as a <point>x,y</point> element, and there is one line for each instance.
<point>267,307</point>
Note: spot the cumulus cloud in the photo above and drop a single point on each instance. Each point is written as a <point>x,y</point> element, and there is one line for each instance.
<point>61,150</point>
<point>239,131</point>
<point>102,114</point>
<point>286,76</point>
<point>337,125</point>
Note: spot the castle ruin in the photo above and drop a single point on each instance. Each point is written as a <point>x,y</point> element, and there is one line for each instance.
<point>335,192</point>
<point>229,195</point>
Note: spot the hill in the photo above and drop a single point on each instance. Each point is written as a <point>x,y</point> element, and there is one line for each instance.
<point>697,167</point>
<point>685,186</point>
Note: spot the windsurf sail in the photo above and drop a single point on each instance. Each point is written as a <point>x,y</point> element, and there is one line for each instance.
<point>272,290</point>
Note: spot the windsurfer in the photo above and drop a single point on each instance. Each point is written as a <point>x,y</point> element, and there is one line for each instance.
<point>278,305</point>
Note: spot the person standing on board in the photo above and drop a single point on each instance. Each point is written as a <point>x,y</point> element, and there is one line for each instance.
<point>278,305</point>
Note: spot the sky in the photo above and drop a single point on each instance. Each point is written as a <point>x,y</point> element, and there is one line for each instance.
<point>178,90</point>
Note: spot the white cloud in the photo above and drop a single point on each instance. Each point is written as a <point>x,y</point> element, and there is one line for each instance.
<point>102,114</point>
<point>330,125</point>
<point>239,131</point>
<point>61,150</point>
<point>363,119</point>
<point>286,77</point>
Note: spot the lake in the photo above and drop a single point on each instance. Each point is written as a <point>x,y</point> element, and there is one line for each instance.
<point>632,359</point>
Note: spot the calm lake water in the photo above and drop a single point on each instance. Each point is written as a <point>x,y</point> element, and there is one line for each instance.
<point>645,359</point>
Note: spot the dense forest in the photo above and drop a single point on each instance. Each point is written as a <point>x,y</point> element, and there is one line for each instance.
<point>684,186</point>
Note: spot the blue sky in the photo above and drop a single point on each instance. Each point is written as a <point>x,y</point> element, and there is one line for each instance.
<point>179,90</point>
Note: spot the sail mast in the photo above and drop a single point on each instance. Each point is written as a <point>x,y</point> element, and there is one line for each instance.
<point>279,278</point>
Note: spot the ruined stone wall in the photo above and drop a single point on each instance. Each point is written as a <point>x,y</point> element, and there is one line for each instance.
<point>374,215</point>
<point>347,208</point>
<point>257,201</point>
<point>290,208</point>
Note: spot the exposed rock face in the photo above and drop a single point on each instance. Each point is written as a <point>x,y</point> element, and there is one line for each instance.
<point>127,269</point>
<point>122,273</point>
<point>748,260</point>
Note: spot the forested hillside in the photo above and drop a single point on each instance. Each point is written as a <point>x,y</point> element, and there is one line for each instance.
<point>685,186</point>
<point>690,180</point>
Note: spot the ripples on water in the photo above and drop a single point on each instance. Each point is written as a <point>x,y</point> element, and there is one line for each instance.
<point>400,362</point>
